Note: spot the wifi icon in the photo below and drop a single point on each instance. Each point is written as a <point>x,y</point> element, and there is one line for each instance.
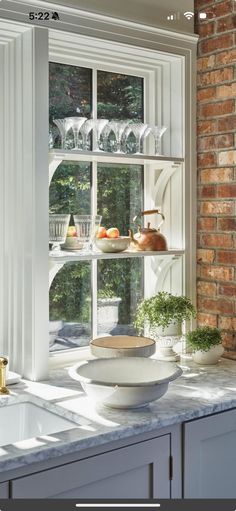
<point>189,15</point>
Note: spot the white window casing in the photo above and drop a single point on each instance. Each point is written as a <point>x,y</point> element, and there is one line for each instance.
<point>167,63</point>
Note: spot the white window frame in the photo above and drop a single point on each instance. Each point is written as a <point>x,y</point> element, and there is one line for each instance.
<point>29,348</point>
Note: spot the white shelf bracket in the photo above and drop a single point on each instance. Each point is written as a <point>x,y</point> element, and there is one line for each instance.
<point>161,183</point>
<point>53,164</point>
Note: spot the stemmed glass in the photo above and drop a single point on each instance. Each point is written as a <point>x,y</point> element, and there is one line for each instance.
<point>85,131</point>
<point>77,122</point>
<point>157,132</point>
<point>85,227</point>
<point>139,130</point>
<point>58,227</point>
<point>118,128</point>
<point>64,126</point>
<point>99,127</point>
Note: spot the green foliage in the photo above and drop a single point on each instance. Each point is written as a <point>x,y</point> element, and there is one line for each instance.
<point>203,338</point>
<point>162,309</point>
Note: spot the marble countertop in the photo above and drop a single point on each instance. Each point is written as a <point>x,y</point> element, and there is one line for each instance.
<point>199,391</point>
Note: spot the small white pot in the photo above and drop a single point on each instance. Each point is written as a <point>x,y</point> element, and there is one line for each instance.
<point>209,357</point>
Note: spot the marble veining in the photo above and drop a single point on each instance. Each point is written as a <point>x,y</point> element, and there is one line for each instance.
<point>199,391</point>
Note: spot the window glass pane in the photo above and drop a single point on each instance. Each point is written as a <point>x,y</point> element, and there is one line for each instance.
<point>70,307</point>
<point>70,88</point>
<point>120,282</point>
<point>119,96</point>
<point>70,189</point>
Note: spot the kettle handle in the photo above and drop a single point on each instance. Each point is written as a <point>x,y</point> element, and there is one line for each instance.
<point>150,212</point>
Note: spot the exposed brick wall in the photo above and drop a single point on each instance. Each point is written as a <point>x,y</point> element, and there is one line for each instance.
<point>216,95</point>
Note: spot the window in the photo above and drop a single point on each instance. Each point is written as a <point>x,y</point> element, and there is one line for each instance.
<point>100,297</point>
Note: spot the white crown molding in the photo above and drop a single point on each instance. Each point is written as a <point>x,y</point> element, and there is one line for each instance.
<point>78,17</point>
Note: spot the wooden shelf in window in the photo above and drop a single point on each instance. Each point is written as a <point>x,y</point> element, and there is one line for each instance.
<point>63,256</point>
<point>90,156</point>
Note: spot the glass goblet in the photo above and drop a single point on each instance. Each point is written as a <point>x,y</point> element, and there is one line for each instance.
<point>85,227</point>
<point>157,132</point>
<point>99,127</point>
<point>139,130</point>
<point>76,123</point>
<point>64,126</point>
<point>119,128</point>
<point>58,226</point>
<point>85,131</point>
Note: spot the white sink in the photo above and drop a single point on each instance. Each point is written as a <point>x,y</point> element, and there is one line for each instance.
<point>21,421</point>
<point>128,382</point>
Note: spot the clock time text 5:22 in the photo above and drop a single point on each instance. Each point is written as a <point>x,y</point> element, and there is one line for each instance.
<point>44,16</point>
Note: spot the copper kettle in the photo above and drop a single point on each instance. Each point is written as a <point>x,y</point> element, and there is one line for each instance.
<point>147,238</point>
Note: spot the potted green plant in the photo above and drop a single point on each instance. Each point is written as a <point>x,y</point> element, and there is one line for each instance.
<point>162,316</point>
<point>206,344</point>
<point>108,309</point>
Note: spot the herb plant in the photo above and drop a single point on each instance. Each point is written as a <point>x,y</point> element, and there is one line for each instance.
<point>203,338</point>
<point>163,309</point>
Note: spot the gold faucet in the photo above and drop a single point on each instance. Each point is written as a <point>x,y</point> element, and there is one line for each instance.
<point>3,364</point>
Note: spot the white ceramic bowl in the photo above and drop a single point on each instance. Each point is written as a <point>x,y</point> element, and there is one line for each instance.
<point>122,346</point>
<point>112,244</point>
<point>125,382</point>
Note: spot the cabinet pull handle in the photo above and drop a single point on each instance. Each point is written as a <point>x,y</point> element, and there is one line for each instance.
<point>170,468</point>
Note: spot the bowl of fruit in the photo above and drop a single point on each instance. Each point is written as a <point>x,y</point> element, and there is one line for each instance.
<point>109,240</point>
<point>72,242</point>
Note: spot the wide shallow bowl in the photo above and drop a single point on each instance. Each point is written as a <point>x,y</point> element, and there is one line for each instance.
<point>112,244</point>
<point>122,346</point>
<point>125,382</point>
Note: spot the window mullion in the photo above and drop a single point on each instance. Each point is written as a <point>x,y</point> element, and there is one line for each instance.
<point>94,262</point>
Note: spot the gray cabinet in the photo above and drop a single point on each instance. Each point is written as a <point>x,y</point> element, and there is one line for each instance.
<point>210,457</point>
<point>138,471</point>
<point>4,490</point>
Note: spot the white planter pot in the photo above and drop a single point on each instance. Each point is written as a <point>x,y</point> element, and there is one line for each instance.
<point>165,339</point>
<point>156,332</point>
<point>209,357</point>
<point>108,313</point>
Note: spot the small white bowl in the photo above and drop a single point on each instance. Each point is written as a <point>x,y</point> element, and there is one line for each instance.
<point>125,382</point>
<point>122,346</point>
<point>112,244</point>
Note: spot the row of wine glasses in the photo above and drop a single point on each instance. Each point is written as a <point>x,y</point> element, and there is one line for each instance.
<point>112,136</point>
<point>86,228</point>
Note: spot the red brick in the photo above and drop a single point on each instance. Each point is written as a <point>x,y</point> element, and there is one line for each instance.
<point>206,224</point>
<point>207,191</point>
<point>226,224</point>
<point>222,8</point>
<point>229,354</point>
<point>229,340</point>
<point>219,175</point>
<point>227,123</point>
<point>227,290</point>
<point>206,94</point>
<point>205,256</point>
<point>216,43</point>
<point>217,306</point>
<point>207,160</point>
<point>216,77</point>
<point>207,127</point>
<point>227,91</point>
<point>216,142</point>
<point>198,4</point>
<point>226,190</point>
<point>217,240</point>
<point>219,273</point>
<point>206,288</point>
<point>225,57</point>
<point>206,29</point>
<point>226,257</point>
<point>217,109</point>
<point>206,319</point>
<point>205,63</point>
<point>227,158</point>
<point>225,24</point>
<point>217,208</point>
<point>227,323</point>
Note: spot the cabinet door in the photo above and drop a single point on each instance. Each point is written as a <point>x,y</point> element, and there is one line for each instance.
<point>4,490</point>
<point>210,457</point>
<point>138,471</point>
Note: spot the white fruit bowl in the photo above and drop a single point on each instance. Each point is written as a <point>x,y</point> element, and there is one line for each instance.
<point>125,382</point>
